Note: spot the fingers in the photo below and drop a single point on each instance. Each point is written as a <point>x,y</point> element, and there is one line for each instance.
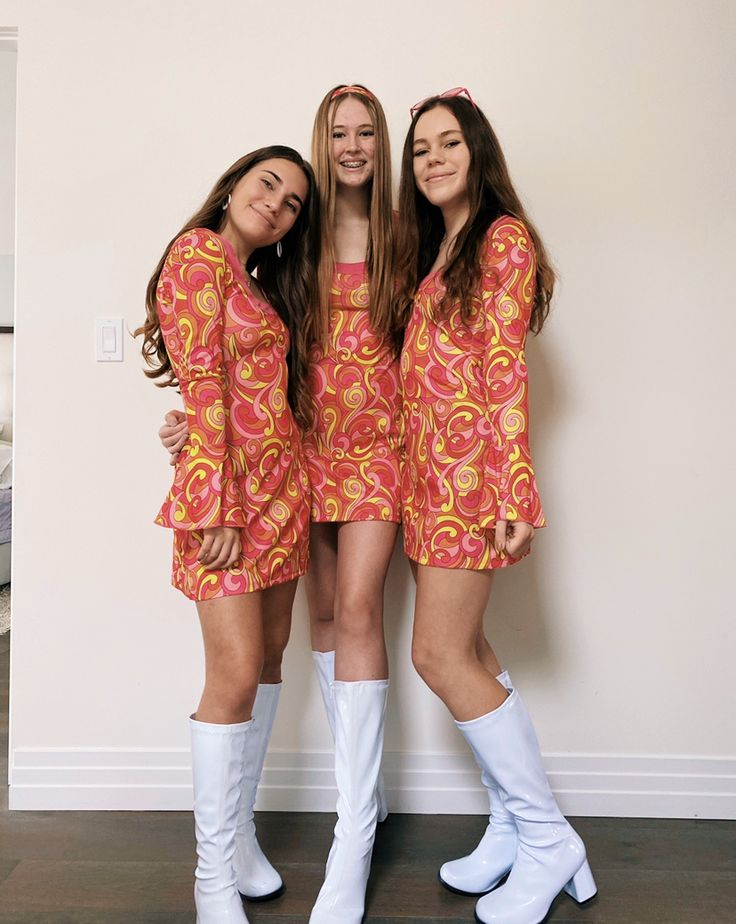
<point>499,536</point>
<point>174,437</point>
<point>519,538</point>
<point>220,549</point>
<point>175,417</point>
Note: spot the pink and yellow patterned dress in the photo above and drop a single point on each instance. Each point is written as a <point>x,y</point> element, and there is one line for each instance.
<point>243,464</point>
<point>466,411</point>
<point>354,446</point>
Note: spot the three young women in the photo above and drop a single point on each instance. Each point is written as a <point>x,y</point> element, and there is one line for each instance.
<point>473,276</point>
<point>239,503</point>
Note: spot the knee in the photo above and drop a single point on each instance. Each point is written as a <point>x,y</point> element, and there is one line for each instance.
<point>434,664</point>
<point>359,616</point>
<point>322,615</point>
<point>272,658</point>
<point>234,685</point>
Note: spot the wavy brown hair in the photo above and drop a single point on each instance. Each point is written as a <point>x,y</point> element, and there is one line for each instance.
<point>490,193</point>
<point>288,281</point>
<point>379,258</point>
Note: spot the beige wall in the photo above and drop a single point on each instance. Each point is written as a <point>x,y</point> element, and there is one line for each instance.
<point>617,122</point>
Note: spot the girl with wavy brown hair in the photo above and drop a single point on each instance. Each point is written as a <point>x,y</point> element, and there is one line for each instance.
<point>352,449</point>
<point>474,278</point>
<point>239,503</point>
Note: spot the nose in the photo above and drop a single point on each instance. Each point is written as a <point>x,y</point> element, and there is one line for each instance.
<point>435,156</point>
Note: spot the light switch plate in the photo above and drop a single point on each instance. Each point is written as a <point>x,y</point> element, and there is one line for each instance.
<point>109,340</point>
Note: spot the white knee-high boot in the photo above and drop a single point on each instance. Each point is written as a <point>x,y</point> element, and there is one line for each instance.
<point>217,771</point>
<point>485,867</point>
<point>359,714</point>
<point>550,856</point>
<point>257,880</point>
<point>325,663</point>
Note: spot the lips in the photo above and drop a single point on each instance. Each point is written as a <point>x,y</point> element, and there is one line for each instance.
<point>353,164</point>
<point>436,177</point>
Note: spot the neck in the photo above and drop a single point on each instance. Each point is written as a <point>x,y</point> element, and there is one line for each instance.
<point>241,248</point>
<point>454,217</point>
<point>352,204</point>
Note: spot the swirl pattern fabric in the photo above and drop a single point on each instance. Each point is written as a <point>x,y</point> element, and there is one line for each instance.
<point>353,449</point>
<point>465,399</point>
<point>242,465</point>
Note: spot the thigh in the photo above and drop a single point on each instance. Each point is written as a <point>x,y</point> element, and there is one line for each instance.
<point>363,555</point>
<point>277,606</point>
<point>321,579</point>
<point>232,630</point>
<point>449,609</point>
<point>278,601</point>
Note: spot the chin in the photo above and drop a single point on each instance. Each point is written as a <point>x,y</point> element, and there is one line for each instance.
<point>354,179</point>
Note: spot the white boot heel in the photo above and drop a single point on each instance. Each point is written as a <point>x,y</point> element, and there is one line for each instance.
<point>581,888</point>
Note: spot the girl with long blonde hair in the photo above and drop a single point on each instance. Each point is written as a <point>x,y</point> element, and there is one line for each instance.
<point>353,456</point>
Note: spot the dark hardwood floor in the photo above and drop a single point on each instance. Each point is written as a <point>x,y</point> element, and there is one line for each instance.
<point>136,868</point>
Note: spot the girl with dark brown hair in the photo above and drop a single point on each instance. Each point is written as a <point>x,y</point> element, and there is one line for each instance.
<point>239,504</point>
<point>352,448</point>
<point>474,278</point>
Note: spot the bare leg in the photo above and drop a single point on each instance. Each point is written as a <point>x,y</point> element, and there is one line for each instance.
<point>448,618</point>
<point>364,553</point>
<point>278,602</point>
<point>232,630</point>
<point>320,583</point>
<point>486,654</point>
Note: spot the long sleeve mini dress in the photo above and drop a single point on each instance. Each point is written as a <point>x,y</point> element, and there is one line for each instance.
<point>243,463</point>
<point>465,399</point>
<point>353,448</point>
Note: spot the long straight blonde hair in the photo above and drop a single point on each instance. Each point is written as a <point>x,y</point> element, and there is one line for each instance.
<point>379,258</point>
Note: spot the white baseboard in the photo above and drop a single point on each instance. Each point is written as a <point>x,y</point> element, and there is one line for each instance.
<point>585,784</point>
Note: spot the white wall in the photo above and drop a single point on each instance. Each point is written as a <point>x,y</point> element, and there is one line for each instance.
<point>617,122</point>
<point>8,57</point>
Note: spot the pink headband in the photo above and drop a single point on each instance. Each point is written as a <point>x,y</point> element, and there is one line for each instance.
<point>448,94</point>
<point>361,91</point>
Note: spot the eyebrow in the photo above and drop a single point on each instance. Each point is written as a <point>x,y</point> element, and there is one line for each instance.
<point>279,180</point>
<point>364,125</point>
<point>450,131</point>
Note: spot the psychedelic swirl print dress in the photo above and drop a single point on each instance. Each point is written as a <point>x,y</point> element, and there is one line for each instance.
<point>353,449</point>
<point>242,464</point>
<point>466,411</point>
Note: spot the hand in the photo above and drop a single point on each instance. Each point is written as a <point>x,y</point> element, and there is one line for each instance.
<point>220,548</point>
<point>174,434</point>
<point>513,537</point>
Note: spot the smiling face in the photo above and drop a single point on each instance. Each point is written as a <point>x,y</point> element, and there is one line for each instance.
<point>441,159</point>
<point>264,204</point>
<point>353,142</point>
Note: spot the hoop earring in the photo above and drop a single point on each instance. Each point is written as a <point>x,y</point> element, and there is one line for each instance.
<point>279,249</point>
<point>226,203</point>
